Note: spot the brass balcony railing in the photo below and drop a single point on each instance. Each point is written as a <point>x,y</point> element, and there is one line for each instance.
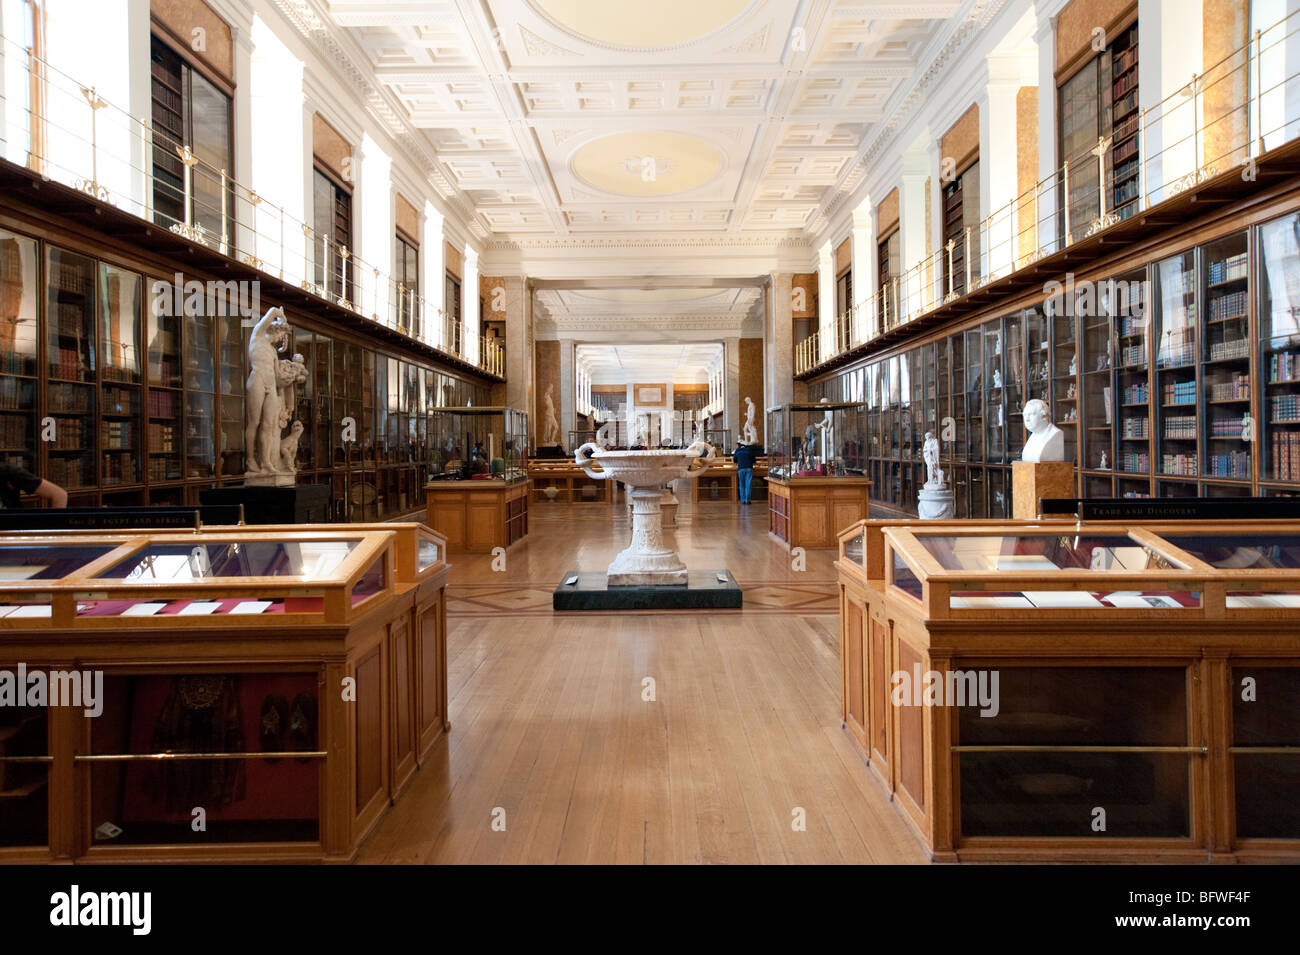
<point>1223,119</point>
<point>69,133</point>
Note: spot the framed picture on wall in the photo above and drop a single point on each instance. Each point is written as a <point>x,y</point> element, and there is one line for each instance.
<point>650,395</point>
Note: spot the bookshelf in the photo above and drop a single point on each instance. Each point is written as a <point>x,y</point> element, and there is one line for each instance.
<point>1125,116</point>
<point>164,398</point>
<point>19,306</point>
<point>1279,334</point>
<point>1228,431</point>
<point>120,374</point>
<point>1175,313</point>
<point>231,356</point>
<point>70,370</point>
<point>1130,317</point>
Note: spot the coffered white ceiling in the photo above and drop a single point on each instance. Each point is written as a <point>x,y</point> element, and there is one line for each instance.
<point>629,364</point>
<point>648,314</point>
<point>590,120</point>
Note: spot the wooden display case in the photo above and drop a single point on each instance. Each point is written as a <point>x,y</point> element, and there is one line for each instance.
<point>572,485</point>
<point>478,515</point>
<point>1103,668</point>
<point>808,512</point>
<point>287,681</point>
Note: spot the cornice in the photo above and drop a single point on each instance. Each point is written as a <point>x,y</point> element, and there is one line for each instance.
<point>651,241</point>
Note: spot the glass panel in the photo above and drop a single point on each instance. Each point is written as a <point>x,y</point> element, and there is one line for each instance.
<point>374,580</point>
<point>119,335</point>
<point>1054,793</point>
<point>246,800</point>
<point>1065,368</point>
<point>24,787</point>
<point>974,397</point>
<point>46,561</point>
<point>186,563</point>
<point>1267,784</point>
<point>1249,551</point>
<point>71,355</point>
<point>426,553</point>
<point>1129,310</point>
<point>1175,309</point>
<point>1032,553</point>
<point>996,405</point>
<point>1093,307</point>
<point>1225,359</point>
<point>904,578</point>
<point>19,294</point>
<point>1279,321</point>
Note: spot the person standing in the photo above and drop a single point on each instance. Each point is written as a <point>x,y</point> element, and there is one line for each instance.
<point>16,481</point>
<point>744,457</point>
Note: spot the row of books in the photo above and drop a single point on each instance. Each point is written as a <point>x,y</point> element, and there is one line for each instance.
<point>1180,427</point>
<point>70,278</point>
<point>1285,447</point>
<point>1178,393</point>
<point>1226,270</point>
<point>1136,428</point>
<point>72,434</point>
<point>69,399</point>
<point>71,365</point>
<point>119,469</point>
<point>1231,428</point>
<point>1178,465</point>
<point>1233,465</point>
<point>164,469</point>
<point>162,438</point>
<point>1236,389</point>
<point>71,473</point>
<point>1230,348</point>
<point>1231,305</point>
<point>1136,394</point>
<point>16,394</point>
<point>1132,461</point>
<point>119,400</point>
<point>1284,408</point>
<point>118,435</point>
<point>1133,355</point>
<point>14,433</point>
<point>163,404</point>
<point>1283,366</point>
<point>18,363</point>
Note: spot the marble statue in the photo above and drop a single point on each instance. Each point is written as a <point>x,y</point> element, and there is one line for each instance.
<point>749,434</point>
<point>934,476</point>
<point>1105,463</point>
<point>550,423</point>
<point>997,378</point>
<point>1046,441</point>
<point>262,395</point>
<point>826,428</point>
<point>289,374</point>
<point>289,448</point>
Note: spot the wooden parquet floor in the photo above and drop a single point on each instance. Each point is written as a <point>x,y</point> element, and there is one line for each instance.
<point>554,739</point>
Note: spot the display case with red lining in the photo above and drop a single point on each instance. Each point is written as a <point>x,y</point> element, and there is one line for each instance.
<point>266,693</point>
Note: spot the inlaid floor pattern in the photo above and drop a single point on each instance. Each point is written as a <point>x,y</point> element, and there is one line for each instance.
<point>643,738</point>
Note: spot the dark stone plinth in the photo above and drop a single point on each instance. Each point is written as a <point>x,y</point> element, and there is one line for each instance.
<point>702,591</point>
<point>265,504</point>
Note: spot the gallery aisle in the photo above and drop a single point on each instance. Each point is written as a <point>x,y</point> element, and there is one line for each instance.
<point>553,738</point>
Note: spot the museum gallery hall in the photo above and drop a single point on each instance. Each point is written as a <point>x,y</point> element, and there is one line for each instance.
<point>700,431</point>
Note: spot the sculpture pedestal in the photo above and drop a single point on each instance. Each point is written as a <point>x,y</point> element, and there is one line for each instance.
<point>299,504</point>
<point>269,479</point>
<point>647,561</point>
<point>1031,481</point>
<point>667,508</point>
<point>936,504</point>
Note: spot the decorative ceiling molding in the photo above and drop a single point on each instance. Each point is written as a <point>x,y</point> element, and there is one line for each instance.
<point>754,43</point>
<point>536,46</point>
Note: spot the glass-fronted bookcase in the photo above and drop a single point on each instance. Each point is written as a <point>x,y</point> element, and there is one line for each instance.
<point>1177,377</point>
<point>110,390</point>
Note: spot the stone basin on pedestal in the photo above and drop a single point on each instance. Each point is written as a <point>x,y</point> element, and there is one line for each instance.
<point>648,560</point>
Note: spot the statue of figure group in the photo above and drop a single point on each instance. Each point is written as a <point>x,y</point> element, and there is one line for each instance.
<point>270,398</point>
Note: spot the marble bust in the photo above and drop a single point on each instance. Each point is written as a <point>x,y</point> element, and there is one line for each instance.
<point>1046,441</point>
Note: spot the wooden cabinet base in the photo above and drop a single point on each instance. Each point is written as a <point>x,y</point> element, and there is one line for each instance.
<point>477,516</point>
<point>810,512</point>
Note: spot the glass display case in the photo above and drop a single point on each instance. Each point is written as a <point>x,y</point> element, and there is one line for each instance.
<point>817,440</point>
<point>477,444</point>
<point>225,708</point>
<point>1112,641</point>
<point>1174,299</point>
<point>1279,339</point>
<point>19,308</point>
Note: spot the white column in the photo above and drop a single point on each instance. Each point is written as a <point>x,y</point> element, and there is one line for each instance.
<point>243,135</point>
<point>864,269</point>
<point>912,228</point>
<point>826,301</point>
<point>280,151</point>
<point>469,310</point>
<point>731,386</point>
<point>433,275</point>
<point>778,343</point>
<point>374,206</point>
<point>565,397</point>
<point>999,165</point>
<point>1049,226</point>
<point>1171,51</point>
